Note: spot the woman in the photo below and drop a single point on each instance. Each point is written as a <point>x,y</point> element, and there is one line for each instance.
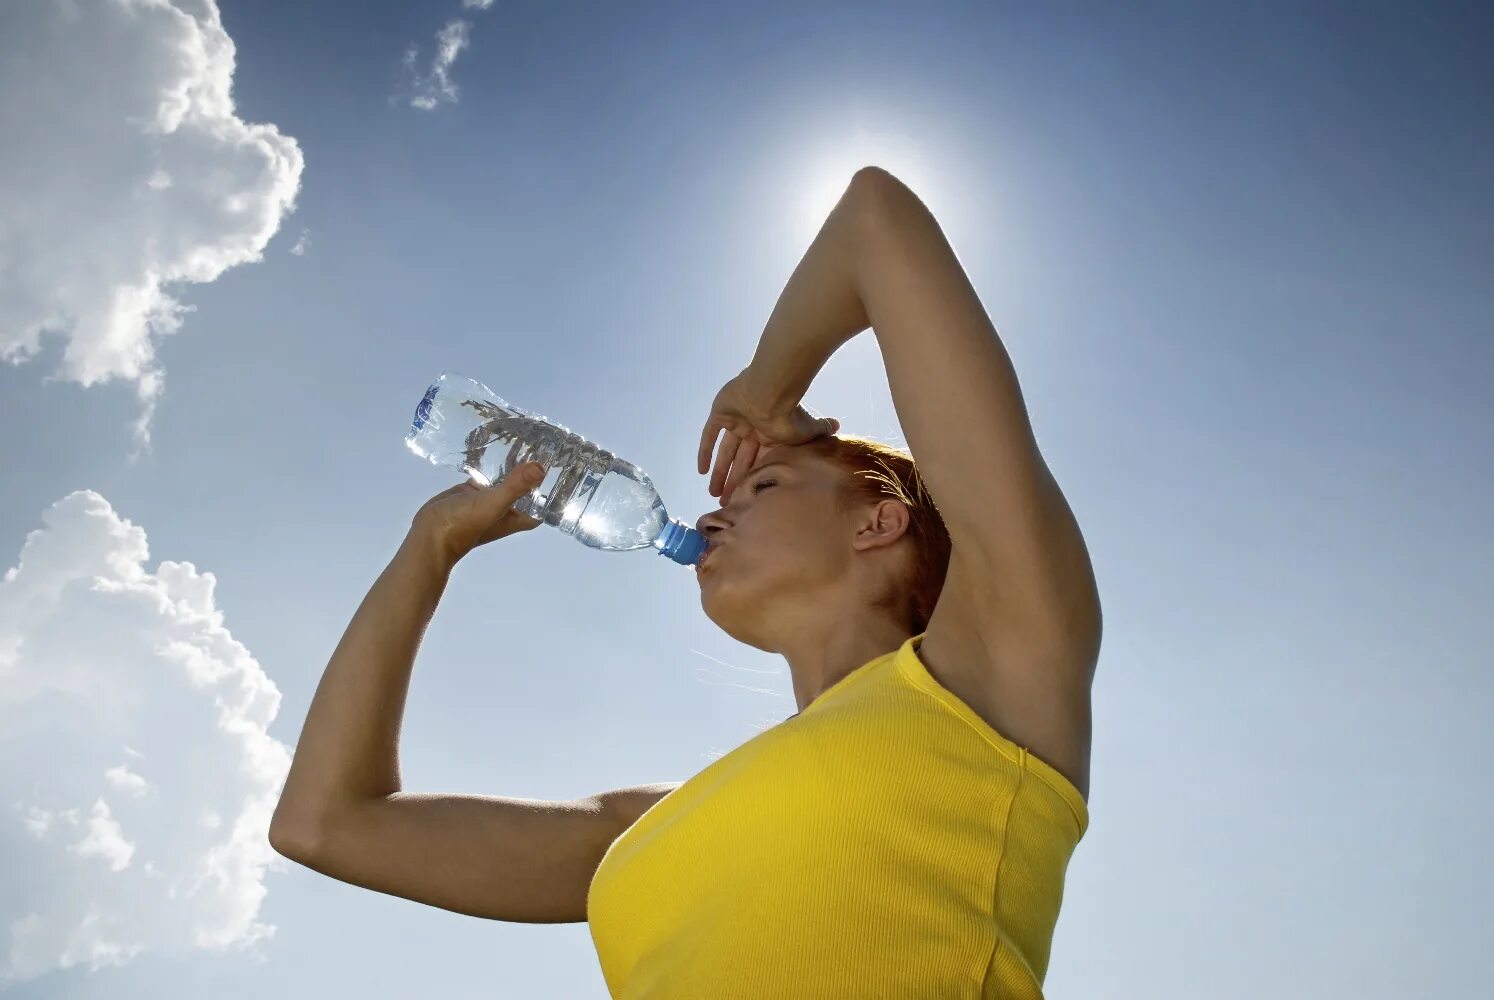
<point>906,834</point>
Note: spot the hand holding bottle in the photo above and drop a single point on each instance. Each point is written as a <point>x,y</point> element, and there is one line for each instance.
<point>468,515</point>
<point>589,493</point>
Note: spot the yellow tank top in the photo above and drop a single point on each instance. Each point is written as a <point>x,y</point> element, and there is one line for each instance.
<point>884,842</point>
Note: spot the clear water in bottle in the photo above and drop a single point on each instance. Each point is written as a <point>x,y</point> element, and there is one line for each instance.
<point>588,493</point>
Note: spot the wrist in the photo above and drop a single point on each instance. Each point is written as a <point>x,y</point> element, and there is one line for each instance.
<point>775,392</point>
<point>425,547</point>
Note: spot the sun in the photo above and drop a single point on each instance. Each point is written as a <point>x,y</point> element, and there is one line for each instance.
<point>829,163</point>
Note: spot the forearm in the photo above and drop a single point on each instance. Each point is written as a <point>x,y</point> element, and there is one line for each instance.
<point>349,746</point>
<point>819,309</point>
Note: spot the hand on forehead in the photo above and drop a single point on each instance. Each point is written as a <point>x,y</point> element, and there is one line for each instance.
<point>773,453</point>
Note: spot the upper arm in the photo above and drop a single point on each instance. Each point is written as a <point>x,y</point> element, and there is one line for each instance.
<point>962,412</point>
<point>514,859</point>
<point>628,804</point>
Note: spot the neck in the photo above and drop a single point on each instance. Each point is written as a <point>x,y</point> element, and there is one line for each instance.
<point>820,657</point>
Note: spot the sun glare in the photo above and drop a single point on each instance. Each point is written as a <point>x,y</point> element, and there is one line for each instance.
<point>829,162</point>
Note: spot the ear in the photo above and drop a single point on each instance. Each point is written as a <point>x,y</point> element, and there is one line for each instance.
<point>883,525</point>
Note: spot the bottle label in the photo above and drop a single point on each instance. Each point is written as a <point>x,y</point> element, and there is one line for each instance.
<point>423,411</point>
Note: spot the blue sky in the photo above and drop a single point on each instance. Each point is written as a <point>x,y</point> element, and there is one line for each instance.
<point>1239,255</point>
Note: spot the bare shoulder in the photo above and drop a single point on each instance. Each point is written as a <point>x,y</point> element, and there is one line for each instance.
<point>1037,697</point>
<point>626,805</point>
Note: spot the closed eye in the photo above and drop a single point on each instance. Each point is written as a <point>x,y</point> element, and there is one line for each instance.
<point>757,486</point>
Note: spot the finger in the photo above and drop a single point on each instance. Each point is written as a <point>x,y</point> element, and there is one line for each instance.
<point>495,503</point>
<point>524,478</point>
<point>810,426</point>
<point>707,442</point>
<point>741,465</point>
<point>519,481</point>
<point>724,455</point>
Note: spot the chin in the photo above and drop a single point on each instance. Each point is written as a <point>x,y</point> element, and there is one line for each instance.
<point>739,627</point>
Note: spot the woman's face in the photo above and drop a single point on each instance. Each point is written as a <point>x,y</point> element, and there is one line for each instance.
<point>781,548</point>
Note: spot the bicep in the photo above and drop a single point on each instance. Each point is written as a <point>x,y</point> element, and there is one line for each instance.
<point>628,804</point>
<point>961,409</point>
<point>514,859</point>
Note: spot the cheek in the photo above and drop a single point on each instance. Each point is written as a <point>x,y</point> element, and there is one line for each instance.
<point>806,553</point>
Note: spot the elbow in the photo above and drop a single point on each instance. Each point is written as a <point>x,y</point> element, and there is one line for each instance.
<point>882,203</point>
<point>870,176</point>
<point>876,186</point>
<point>293,837</point>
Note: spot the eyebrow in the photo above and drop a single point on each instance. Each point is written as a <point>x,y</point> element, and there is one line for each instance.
<point>760,468</point>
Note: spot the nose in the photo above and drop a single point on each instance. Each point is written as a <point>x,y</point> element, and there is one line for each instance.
<point>710,524</point>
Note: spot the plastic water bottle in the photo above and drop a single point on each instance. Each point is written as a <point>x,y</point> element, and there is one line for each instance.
<point>588,493</point>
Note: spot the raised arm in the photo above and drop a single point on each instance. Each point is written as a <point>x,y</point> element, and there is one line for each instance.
<point>881,260</point>
<point>961,409</point>
<point>343,811</point>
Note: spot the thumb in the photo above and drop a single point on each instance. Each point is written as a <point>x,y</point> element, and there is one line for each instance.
<point>523,479</point>
<point>807,426</point>
<point>507,491</point>
<point>820,426</point>
<point>500,498</point>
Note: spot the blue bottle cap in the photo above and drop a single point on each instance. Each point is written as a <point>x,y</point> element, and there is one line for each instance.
<point>681,543</point>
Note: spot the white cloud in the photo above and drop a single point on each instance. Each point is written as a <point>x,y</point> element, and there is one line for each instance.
<point>137,176</point>
<point>125,780</point>
<point>302,244</point>
<point>436,87</point>
<point>38,821</point>
<point>103,837</point>
<point>101,660</point>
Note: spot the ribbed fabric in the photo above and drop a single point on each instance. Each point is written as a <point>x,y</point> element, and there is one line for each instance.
<point>884,842</point>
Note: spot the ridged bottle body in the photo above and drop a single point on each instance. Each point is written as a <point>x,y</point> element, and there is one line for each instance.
<point>589,493</point>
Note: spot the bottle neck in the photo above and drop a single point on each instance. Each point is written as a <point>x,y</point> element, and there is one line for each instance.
<point>681,543</point>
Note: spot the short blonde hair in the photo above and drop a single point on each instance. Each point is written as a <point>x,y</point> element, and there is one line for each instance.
<point>877,471</point>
